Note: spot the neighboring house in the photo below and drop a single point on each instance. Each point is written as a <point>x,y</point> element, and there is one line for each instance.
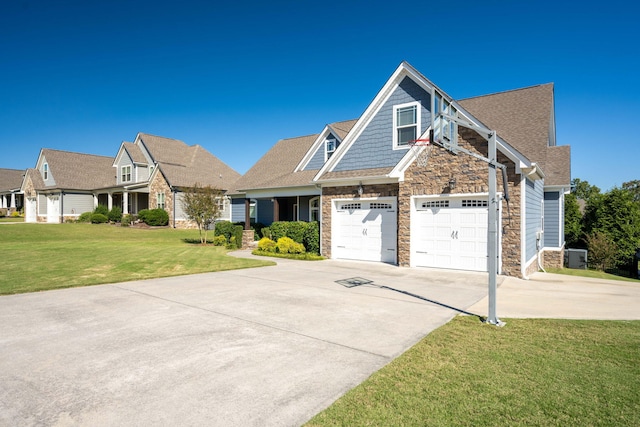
<point>11,198</point>
<point>375,203</point>
<point>148,173</point>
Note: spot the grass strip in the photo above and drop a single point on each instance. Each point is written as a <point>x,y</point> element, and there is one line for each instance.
<point>529,373</point>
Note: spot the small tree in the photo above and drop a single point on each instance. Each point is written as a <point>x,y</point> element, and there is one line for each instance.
<point>202,206</point>
<point>602,250</point>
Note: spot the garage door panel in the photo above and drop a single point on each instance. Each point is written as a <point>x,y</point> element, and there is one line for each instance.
<point>451,235</point>
<point>366,233</point>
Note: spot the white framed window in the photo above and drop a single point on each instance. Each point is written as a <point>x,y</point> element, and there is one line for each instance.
<point>45,171</point>
<point>160,198</point>
<point>253,210</point>
<point>314,209</point>
<point>406,124</point>
<point>125,175</point>
<point>330,147</point>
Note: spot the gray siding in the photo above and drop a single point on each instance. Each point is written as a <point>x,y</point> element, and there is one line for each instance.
<point>50,181</point>
<point>125,160</point>
<point>374,146</point>
<point>265,211</point>
<point>552,220</point>
<point>141,173</point>
<point>533,215</point>
<point>303,208</point>
<point>42,204</point>
<point>179,211</point>
<point>317,160</point>
<point>237,210</point>
<point>75,204</point>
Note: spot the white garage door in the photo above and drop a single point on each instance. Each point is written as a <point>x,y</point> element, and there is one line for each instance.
<point>365,230</point>
<point>450,233</point>
<point>30,209</point>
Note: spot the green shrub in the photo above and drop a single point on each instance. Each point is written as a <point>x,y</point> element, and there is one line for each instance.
<point>85,217</point>
<point>101,209</point>
<point>155,217</point>
<point>224,228</point>
<point>257,229</point>
<point>143,214</point>
<point>115,214</point>
<point>15,214</point>
<point>266,232</point>
<point>311,240</point>
<point>286,245</point>
<point>126,220</point>
<point>98,218</point>
<point>279,229</point>
<point>296,230</point>
<point>220,240</point>
<point>3,212</point>
<point>267,245</point>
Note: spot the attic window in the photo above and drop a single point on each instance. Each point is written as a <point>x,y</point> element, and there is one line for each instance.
<point>45,171</point>
<point>406,124</point>
<point>126,173</point>
<point>331,145</point>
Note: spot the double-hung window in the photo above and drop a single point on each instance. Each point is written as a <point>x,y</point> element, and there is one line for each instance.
<point>45,171</point>
<point>126,174</point>
<point>406,124</point>
<point>160,197</point>
<point>331,146</point>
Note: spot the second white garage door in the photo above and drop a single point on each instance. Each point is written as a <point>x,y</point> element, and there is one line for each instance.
<point>450,233</point>
<point>365,230</point>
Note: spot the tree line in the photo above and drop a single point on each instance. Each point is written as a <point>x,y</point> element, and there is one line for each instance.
<point>606,224</point>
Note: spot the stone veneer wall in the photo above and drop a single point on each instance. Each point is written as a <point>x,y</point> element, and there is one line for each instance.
<point>553,258</point>
<point>471,176</point>
<point>348,192</point>
<point>160,185</point>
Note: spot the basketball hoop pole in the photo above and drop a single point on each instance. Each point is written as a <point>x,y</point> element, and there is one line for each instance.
<point>492,226</point>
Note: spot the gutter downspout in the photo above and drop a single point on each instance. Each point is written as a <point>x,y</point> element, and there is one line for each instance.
<point>174,192</point>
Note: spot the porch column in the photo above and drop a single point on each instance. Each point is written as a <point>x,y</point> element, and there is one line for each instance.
<point>247,214</point>
<point>276,210</point>
<point>95,201</point>
<point>13,200</point>
<point>125,203</point>
<point>109,201</point>
<point>3,201</point>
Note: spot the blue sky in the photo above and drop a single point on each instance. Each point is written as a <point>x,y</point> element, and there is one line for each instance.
<point>237,77</point>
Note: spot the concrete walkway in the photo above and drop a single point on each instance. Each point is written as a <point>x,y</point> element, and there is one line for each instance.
<point>560,296</point>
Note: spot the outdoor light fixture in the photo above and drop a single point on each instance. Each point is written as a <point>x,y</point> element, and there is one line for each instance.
<point>360,189</point>
<point>452,183</point>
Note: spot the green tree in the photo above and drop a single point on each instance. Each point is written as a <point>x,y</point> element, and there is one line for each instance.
<point>602,250</point>
<point>634,188</point>
<point>202,205</point>
<point>617,215</point>
<point>583,190</point>
<point>572,221</point>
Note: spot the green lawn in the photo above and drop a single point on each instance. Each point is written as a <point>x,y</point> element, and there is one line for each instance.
<point>528,373</point>
<point>11,219</point>
<point>590,273</point>
<point>39,257</point>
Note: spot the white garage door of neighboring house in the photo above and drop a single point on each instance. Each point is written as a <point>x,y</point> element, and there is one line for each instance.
<point>53,209</point>
<point>30,209</point>
<point>450,233</point>
<point>365,230</point>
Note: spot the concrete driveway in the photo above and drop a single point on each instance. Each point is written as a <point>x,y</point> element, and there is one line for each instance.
<point>255,347</point>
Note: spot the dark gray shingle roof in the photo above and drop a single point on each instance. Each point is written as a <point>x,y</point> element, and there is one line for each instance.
<point>77,171</point>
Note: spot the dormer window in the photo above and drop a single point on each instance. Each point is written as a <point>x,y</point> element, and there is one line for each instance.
<point>45,171</point>
<point>406,124</point>
<point>331,145</point>
<point>126,173</point>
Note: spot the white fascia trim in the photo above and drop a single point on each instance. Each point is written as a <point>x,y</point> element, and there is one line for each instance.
<point>523,228</point>
<point>118,155</point>
<point>314,147</point>
<point>564,189</point>
<point>403,70</point>
<point>283,192</point>
<point>406,161</point>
